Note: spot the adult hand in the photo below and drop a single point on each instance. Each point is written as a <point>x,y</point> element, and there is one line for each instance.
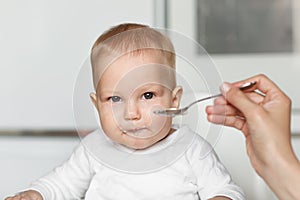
<point>265,122</point>
<point>26,195</point>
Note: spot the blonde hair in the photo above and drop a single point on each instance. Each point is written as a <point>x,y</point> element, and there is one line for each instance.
<point>129,38</point>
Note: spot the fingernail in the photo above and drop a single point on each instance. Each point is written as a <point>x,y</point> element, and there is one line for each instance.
<point>225,87</point>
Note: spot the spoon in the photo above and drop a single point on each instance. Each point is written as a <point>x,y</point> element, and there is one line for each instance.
<point>180,111</point>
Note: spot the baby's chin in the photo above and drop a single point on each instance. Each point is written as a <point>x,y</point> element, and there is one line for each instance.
<point>142,143</point>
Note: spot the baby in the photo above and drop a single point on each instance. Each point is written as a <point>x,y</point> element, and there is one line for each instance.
<point>133,69</point>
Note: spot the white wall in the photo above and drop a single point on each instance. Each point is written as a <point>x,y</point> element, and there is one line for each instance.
<point>43,44</point>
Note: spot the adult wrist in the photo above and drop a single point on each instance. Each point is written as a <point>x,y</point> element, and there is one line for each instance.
<point>283,174</point>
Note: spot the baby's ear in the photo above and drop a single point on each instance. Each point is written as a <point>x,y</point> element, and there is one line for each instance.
<point>177,94</point>
<point>93,97</point>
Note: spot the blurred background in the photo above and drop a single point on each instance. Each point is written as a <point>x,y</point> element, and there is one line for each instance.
<point>44,43</point>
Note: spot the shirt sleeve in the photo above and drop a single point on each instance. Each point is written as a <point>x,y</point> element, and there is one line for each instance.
<point>68,181</point>
<point>212,177</point>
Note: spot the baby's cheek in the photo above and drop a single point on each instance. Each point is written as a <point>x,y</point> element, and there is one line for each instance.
<point>159,122</point>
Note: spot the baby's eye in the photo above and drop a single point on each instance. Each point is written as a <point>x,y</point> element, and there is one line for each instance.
<point>148,95</point>
<point>114,99</point>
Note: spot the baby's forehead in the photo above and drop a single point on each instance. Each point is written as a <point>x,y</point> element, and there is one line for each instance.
<point>150,64</point>
<point>139,57</point>
<point>131,73</point>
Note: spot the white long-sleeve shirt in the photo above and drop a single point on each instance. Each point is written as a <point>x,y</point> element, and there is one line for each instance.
<point>195,174</point>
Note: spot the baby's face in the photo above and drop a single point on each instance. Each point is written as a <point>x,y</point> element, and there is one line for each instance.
<point>129,91</point>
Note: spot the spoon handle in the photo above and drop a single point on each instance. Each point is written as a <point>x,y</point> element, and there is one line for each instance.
<point>203,99</point>
<point>243,88</point>
<point>180,111</point>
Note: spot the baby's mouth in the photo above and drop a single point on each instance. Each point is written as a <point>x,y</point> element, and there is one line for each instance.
<point>138,132</point>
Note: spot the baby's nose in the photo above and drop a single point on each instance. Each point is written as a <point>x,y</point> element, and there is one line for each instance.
<point>132,111</point>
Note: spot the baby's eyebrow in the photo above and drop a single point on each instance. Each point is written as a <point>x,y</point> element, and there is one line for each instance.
<point>153,84</point>
<point>156,86</point>
<point>102,93</point>
<point>106,91</point>
<point>149,87</point>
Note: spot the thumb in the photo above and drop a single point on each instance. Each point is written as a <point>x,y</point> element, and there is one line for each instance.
<point>238,99</point>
